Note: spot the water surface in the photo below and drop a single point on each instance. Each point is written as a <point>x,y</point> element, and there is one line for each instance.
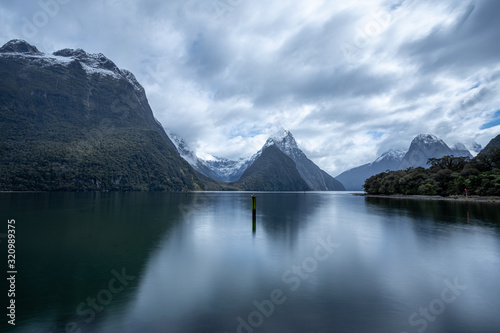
<point>317,262</point>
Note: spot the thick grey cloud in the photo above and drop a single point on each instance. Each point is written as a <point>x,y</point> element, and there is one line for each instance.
<point>465,45</point>
<point>349,79</point>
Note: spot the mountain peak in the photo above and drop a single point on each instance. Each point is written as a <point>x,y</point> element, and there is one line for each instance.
<point>19,46</point>
<point>315,178</point>
<point>93,64</point>
<point>98,60</point>
<point>283,139</point>
<point>280,133</point>
<point>423,147</point>
<point>426,139</point>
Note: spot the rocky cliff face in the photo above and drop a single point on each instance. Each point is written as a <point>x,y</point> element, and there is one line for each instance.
<point>75,121</point>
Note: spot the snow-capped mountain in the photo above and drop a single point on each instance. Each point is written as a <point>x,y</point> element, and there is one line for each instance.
<point>391,155</point>
<point>217,168</point>
<point>230,170</point>
<point>93,64</point>
<point>316,179</point>
<point>423,147</point>
<point>188,154</point>
<point>354,179</point>
<point>285,141</point>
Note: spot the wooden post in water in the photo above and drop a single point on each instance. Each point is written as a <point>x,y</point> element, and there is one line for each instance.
<point>254,213</point>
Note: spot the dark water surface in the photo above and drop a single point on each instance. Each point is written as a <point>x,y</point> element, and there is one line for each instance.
<point>317,262</point>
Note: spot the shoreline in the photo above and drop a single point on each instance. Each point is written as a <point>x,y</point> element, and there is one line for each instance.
<point>453,198</point>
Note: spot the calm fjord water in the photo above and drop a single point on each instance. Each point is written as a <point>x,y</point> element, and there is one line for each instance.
<point>317,262</point>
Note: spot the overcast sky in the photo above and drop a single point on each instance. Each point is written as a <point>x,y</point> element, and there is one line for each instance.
<point>349,79</point>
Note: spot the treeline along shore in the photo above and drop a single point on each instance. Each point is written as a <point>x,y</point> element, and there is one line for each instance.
<point>452,198</point>
<point>446,176</point>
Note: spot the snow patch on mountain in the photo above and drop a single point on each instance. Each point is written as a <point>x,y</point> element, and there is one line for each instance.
<point>279,134</point>
<point>393,154</point>
<point>285,141</point>
<point>223,169</point>
<point>93,64</point>
<point>427,139</point>
<point>231,170</point>
<point>228,170</point>
<point>183,148</point>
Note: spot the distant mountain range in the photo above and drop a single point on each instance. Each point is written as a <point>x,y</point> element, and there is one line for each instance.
<point>426,146</point>
<point>74,121</point>
<point>232,171</point>
<point>218,168</point>
<point>422,147</point>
